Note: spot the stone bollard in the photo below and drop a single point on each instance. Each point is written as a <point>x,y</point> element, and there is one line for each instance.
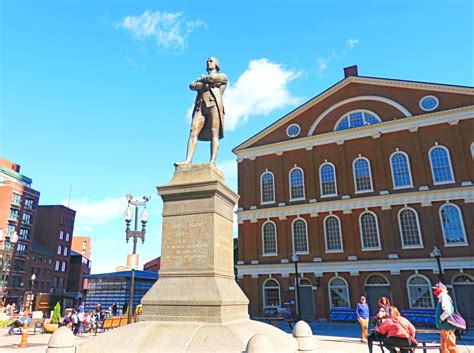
<point>259,344</point>
<point>304,336</point>
<point>62,341</point>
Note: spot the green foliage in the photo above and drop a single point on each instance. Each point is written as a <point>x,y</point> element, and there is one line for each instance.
<point>56,314</point>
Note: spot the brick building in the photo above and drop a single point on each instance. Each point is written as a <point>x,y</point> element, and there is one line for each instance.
<point>18,203</point>
<point>153,265</point>
<point>82,245</point>
<point>54,229</point>
<point>79,267</point>
<point>361,182</point>
<point>41,263</point>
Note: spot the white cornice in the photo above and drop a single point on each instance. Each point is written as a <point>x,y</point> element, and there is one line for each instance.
<point>393,265</point>
<point>384,201</point>
<point>365,131</point>
<point>341,84</point>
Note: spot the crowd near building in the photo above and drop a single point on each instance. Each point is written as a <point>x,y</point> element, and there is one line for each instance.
<point>35,243</point>
<point>370,184</point>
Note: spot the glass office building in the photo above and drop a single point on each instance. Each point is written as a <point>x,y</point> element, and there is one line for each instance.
<point>114,287</point>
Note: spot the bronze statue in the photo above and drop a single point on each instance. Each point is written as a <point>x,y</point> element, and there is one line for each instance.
<point>208,113</point>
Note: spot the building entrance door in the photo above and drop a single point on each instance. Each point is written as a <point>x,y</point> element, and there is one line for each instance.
<point>376,286</point>
<point>307,300</point>
<point>464,297</point>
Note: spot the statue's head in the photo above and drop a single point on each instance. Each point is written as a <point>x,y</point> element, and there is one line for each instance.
<point>213,63</point>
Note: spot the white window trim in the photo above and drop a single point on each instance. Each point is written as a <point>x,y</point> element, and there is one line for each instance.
<point>263,293</point>
<point>288,128</point>
<point>289,183</point>
<point>352,112</point>
<point>446,244</point>
<point>419,229</point>
<point>340,235</point>
<point>261,188</point>
<point>354,175</point>
<point>453,180</point>
<point>59,250</point>
<point>293,237</point>
<point>61,235</point>
<point>376,285</point>
<point>329,291</point>
<point>408,290</point>
<point>378,232</point>
<point>429,96</point>
<point>409,171</point>
<point>263,240</point>
<point>321,180</point>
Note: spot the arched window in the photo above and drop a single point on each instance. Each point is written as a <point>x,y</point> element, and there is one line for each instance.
<point>271,293</point>
<point>300,236</point>
<point>332,234</point>
<point>269,238</point>
<point>369,231</point>
<point>296,184</point>
<point>357,119</point>
<point>376,280</point>
<point>452,225</point>
<point>362,175</point>
<point>409,228</point>
<point>419,292</point>
<point>463,279</point>
<point>338,293</point>
<point>472,150</point>
<point>267,187</point>
<point>304,282</point>
<point>400,165</point>
<point>441,167</point>
<point>327,179</point>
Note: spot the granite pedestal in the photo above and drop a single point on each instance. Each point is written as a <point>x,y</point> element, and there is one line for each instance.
<point>196,304</point>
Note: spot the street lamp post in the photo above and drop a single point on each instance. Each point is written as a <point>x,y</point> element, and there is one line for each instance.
<point>295,259</point>
<point>437,254</point>
<point>7,251</point>
<point>26,314</point>
<point>135,234</point>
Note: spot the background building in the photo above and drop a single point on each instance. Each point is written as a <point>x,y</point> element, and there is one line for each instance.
<point>114,287</point>
<point>18,203</point>
<point>54,229</point>
<point>82,245</point>
<point>41,263</point>
<point>152,265</point>
<point>79,267</point>
<point>361,182</point>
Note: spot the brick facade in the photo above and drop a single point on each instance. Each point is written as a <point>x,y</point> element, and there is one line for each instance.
<point>389,263</point>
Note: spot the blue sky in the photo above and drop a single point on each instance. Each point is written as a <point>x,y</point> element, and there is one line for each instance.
<point>94,94</point>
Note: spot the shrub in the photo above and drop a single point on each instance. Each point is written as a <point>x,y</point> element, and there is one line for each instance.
<point>56,314</point>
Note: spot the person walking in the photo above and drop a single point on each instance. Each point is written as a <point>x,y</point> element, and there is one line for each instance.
<point>363,313</point>
<point>382,315</point>
<point>444,309</point>
<point>398,332</point>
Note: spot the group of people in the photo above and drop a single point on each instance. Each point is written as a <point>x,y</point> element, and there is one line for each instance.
<point>393,330</point>
<point>80,321</point>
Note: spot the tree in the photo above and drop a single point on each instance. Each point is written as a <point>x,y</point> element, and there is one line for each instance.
<point>56,314</point>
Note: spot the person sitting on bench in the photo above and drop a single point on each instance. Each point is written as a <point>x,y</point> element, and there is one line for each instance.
<point>382,315</point>
<point>399,332</point>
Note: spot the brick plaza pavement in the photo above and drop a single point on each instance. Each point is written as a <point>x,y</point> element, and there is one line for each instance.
<point>329,337</point>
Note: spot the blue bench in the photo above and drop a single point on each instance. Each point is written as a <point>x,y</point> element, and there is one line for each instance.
<point>342,314</point>
<point>420,316</point>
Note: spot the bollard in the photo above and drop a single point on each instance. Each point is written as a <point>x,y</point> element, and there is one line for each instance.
<point>259,344</point>
<point>62,341</point>
<point>304,336</point>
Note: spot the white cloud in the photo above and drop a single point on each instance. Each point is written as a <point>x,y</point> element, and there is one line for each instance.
<point>229,168</point>
<point>93,213</point>
<point>169,30</point>
<point>261,89</point>
<point>351,43</point>
<point>323,62</point>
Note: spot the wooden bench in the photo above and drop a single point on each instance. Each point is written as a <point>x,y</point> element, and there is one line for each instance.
<point>114,322</point>
<point>424,346</point>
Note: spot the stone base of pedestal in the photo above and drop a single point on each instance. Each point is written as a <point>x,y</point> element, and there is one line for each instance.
<point>176,337</point>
